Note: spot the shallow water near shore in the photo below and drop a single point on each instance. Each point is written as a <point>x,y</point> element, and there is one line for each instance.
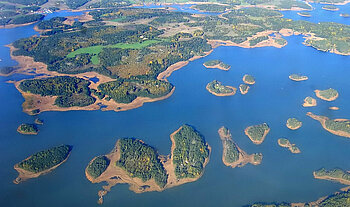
<point>282,176</point>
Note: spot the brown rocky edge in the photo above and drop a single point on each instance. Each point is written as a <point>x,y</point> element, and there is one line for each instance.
<point>313,102</point>
<point>323,119</point>
<point>222,94</point>
<point>114,175</point>
<point>256,141</point>
<point>330,9</point>
<point>248,82</point>
<point>243,92</point>
<point>243,159</point>
<point>304,15</point>
<point>302,78</point>
<point>334,108</point>
<point>217,66</point>
<point>26,133</point>
<point>317,92</point>
<point>343,3</point>
<point>289,146</point>
<point>340,180</point>
<point>25,175</point>
<point>28,66</point>
<point>293,128</point>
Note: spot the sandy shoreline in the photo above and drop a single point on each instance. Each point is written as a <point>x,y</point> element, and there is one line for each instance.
<point>256,141</point>
<point>26,133</point>
<point>317,92</point>
<point>243,159</point>
<point>114,175</point>
<point>323,119</point>
<point>25,175</point>
<point>342,181</point>
<point>298,79</point>
<point>222,94</point>
<point>289,146</point>
<point>217,66</point>
<point>313,102</point>
<point>244,92</point>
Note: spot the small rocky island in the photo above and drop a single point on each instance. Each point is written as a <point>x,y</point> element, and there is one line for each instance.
<point>304,14</point>
<point>42,163</point>
<point>257,133</point>
<point>309,102</point>
<point>243,88</point>
<point>327,95</point>
<point>217,64</point>
<point>38,121</point>
<point>330,8</point>
<point>334,108</point>
<point>340,127</point>
<point>216,88</point>
<point>337,175</point>
<point>29,129</point>
<point>283,142</point>
<point>134,162</point>
<point>293,123</point>
<point>297,77</point>
<point>234,156</point>
<point>248,79</point>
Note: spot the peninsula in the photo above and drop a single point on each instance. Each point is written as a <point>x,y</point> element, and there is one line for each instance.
<point>234,156</point>
<point>340,127</point>
<point>134,162</point>
<point>327,95</point>
<point>216,88</point>
<point>293,123</point>
<point>337,175</point>
<point>309,102</point>
<point>257,133</point>
<point>297,77</point>
<point>283,142</point>
<point>29,129</point>
<point>217,64</point>
<point>42,163</point>
<point>248,79</point>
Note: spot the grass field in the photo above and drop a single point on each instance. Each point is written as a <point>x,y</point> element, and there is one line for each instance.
<point>95,50</point>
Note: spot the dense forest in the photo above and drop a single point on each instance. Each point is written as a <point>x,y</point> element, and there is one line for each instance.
<point>70,91</point>
<point>141,160</point>
<point>45,159</point>
<point>257,132</point>
<point>98,166</point>
<point>231,151</point>
<point>336,125</point>
<point>190,153</point>
<point>28,129</point>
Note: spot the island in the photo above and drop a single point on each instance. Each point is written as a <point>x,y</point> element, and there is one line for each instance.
<point>334,108</point>
<point>257,133</point>
<point>134,162</point>
<point>283,142</point>
<point>330,8</point>
<point>346,15</point>
<point>42,163</point>
<point>217,64</point>
<point>293,123</point>
<point>38,121</point>
<point>243,88</point>
<point>216,88</point>
<point>234,156</point>
<point>327,95</point>
<point>337,175</point>
<point>297,77</point>
<point>248,79</point>
<point>29,129</point>
<point>309,102</point>
<point>340,127</point>
<point>304,14</point>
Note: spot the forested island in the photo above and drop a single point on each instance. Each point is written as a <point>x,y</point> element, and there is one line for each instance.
<point>337,175</point>
<point>257,133</point>
<point>42,163</point>
<point>330,8</point>
<point>216,88</point>
<point>340,127</point>
<point>283,142</point>
<point>243,88</point>
<point>327,95</point>
<point>217,64</point>
<point>304,14</point>
<point>297,77</point>
<point>293,123</point>
<point>248,79</point>
<point>309,102</point>
<point>30,129</point>
<point>134,162</point>
<point>234,156</point>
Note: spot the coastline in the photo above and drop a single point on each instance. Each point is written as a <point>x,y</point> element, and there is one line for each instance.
<point>222,94</point>
<point>256,141</point>
<point>343,3</point>
<point>243,157</point>
<point>26,133</point>
<point>244,92</point>
<point>323,119</point>
<point>313,102</point>
<point>24,175</point>
<point>289,146</point>
<point>114,175</point>
<point>317,92</point>
<point>303,15</point>
<point>299,79</point>
<point>342,181</point>
<point>217,66</point>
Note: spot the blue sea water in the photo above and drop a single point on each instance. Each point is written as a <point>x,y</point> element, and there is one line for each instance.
<point>274,98</point>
